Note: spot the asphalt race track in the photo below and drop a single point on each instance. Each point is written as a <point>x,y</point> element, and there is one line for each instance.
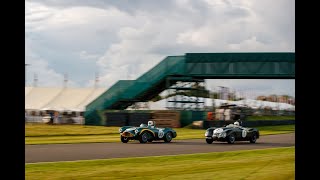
<point>72,152</point>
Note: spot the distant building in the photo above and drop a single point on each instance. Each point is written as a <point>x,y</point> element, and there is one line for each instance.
<point>262,98</point>
<point>224,93</point>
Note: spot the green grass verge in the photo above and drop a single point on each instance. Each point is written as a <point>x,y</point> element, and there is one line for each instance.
<point>37,130</point>
<point>268,130</point>
<point>275,163</point>
<point>60,134</point>
<point>256,118</point>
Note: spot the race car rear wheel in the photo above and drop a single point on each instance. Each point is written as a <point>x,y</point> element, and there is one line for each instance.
<point>143,137</point>
<point>168,137</point>
<point>124,139</point>
<point>231,138</point>
<point>253,139</point>
<point>209,141</point>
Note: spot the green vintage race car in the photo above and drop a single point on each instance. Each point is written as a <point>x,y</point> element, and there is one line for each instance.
<point>146,133</point>
<point>231,133</point>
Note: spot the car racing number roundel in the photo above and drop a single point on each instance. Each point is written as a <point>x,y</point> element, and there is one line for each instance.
<point>218,130</point>
<point>244,133</point>
<point>160,133</point>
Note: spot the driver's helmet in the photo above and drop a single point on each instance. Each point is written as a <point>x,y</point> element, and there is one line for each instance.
<point>151,123</point>
<point>236,123</point>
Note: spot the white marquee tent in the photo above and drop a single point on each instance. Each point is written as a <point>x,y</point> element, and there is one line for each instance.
<point>60,99</point>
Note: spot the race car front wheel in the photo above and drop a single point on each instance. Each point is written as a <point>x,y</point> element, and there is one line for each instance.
<point>124,139</point>
<point>231,138</point>
<point>209,141</point>
<point>253,139</point>
<point>168,137</point>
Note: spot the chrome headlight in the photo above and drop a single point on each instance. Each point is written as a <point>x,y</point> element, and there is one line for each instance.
<point>206,133</point>
<point>223,134</point>
<point>136,131</point>
<point>120,129</point>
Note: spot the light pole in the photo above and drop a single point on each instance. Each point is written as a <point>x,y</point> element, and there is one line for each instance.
<point>25,70</point>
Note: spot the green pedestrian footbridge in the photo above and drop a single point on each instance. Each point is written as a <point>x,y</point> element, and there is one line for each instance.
<point>192,67</point>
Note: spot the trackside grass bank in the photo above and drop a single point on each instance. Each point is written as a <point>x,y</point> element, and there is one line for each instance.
<point>57,134</point>
<point>275,163</point>
<point>37,130</point>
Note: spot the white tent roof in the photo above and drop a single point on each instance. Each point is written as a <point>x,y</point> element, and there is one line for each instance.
<point>60,99</point>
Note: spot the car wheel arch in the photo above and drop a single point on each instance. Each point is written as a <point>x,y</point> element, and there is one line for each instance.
<point>229,131</point>
<point>148,131</point>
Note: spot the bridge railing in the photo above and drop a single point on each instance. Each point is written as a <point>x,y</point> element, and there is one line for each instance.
<point>130,89</point>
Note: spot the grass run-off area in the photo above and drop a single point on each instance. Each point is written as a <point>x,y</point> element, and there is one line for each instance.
<point>257,118</point>
<point>274,163</point>
<point>58,134</point>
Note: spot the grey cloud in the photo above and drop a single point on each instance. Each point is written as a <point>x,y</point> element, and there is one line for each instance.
<point>280,19</point>
<point>237,12</point>
<point>124,39</point>
<point>124,5</point>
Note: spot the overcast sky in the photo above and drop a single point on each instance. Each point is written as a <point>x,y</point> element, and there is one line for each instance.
<point>123,39</point>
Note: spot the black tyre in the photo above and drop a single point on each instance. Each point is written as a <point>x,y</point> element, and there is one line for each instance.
<point>168,137</point>
<point>209,141</point>
<point>124,139</point>
<point>143,138</point>
<point>253,139</point>
<point>231,138</point>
